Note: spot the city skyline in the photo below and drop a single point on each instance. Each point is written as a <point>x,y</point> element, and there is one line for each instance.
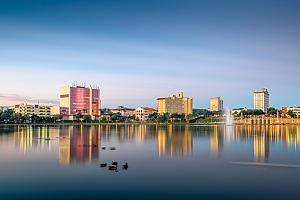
<point>138,51</point>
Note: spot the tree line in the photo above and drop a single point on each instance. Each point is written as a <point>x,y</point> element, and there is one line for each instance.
<point>9,116</point>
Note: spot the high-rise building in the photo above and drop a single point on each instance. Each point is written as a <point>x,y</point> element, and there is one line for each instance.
<point>75,99</point>
<point>216,104</point>
<point>173,104</point>
<point>261,100</point>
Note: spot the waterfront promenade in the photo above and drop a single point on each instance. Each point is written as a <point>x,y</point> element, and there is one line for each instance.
<point>266,121</point>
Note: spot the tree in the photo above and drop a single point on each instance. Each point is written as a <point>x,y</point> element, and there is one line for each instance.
<point>203,112</point>
<point>24,118</point>
<point>257,112</point>
<point>87,118</point>
<point>291,113</point>
<point>272,111</point>
<point>16,117</point>
<point>57,117</point>
<point>105,111</point>
<point>175,116</point>
<point>35,118</point>
<point>117,117</point>
<point>79,116</point>
<point>163,117</point>
<point>188,117</point>
<point>5,116</point>
<point>153,116</point>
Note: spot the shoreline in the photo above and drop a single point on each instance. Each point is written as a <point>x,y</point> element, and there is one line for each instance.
<point>143,123</point>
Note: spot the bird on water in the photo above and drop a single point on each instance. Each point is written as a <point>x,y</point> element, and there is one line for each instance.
<point>125,166</point>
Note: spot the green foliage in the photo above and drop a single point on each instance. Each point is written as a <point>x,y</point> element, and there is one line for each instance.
<point>210,120</point>
<point>79,116</point>
<point>117,117</point>
<point>105,111</point>
<point>35,118</point>
<point>87,118</point>
<point>203,112</point>
<point>16,117</point>
<point>188,117</point>
<point>153,116</point>
<point>163,117</point>
<point>257,112</point>
<point>250,112</point>
<point>291,113</point>
<point>272,111</point>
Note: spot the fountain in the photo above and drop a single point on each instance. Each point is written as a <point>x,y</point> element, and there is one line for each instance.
<point>229,118</point>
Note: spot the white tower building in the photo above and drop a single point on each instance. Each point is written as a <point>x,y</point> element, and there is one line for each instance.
<point>261,100</point>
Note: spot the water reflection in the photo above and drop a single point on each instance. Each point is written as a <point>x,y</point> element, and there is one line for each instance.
<point>79,144</point>
<point>174,141</point>
<point>261,145</point>
<point>30,137</point>
<point>216,141</point>
<point>82,143</point>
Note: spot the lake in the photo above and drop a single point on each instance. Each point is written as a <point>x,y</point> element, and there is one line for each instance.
<point>164,162</point>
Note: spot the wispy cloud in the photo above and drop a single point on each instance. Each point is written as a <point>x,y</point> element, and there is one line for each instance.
<point>12,99</point>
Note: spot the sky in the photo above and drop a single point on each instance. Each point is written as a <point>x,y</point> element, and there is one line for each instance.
<point>137,51</point>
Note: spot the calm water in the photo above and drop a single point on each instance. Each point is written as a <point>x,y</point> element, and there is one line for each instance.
<point>165,162</point>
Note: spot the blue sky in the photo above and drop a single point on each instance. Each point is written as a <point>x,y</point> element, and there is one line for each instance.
<point>137,51</point>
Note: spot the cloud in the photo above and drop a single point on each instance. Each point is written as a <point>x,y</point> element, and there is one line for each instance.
<point>12,99</point>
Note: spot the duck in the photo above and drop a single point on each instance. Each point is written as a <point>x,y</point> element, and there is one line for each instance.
<point>114,163</point>
<point>112,167</point>
<point>125,166</point>
<point>103,164</point>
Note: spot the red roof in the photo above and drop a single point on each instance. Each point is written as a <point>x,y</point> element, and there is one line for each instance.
<point>153,109</point>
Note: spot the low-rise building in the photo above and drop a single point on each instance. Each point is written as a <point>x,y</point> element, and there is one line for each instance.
<point>286,109</point>
<point>126,112</point>
<point>26,109</point>
<point>237,111</point>
<point>142,113</point>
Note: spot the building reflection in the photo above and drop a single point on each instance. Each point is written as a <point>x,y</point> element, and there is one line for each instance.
<point>121,133</point>
<point>31,137</point>
<point>216,141</point>
<point>79,144</point>
<point>261,144</point>
<point>175,141</point>
<point>82,144</point>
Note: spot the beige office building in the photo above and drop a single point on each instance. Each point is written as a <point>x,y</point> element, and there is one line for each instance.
<point>142,113</point>
<point>261,100</point>
<point>173,104</point>
<point>216,104</point>
<point>26,109</point>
